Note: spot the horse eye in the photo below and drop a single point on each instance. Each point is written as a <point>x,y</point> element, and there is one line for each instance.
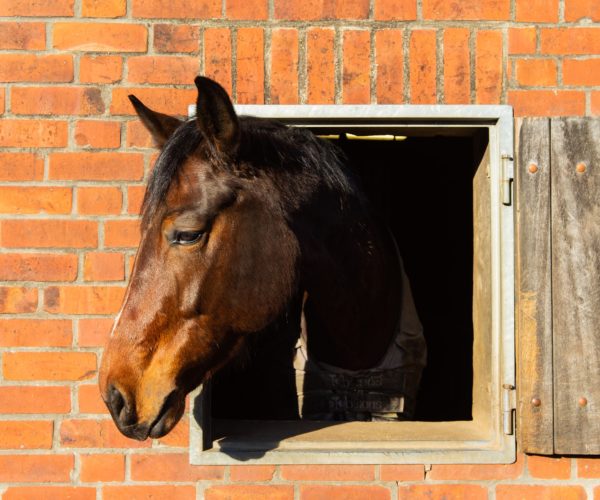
<point>186,237</point>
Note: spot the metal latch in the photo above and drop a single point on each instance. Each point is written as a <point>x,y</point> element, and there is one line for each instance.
<point>509,406</point>
<point>507,178</point>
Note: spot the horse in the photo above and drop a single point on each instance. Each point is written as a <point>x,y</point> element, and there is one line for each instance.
<point>246,222</point>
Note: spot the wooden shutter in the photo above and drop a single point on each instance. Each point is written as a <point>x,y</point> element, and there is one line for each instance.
<point>558,285</point>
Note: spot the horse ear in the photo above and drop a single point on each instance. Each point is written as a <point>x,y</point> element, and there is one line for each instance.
<point>215,115</point>
<point>160,126</point>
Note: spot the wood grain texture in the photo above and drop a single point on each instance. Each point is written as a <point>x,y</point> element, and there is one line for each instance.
<point>576,283</point>
<point>534,299</point>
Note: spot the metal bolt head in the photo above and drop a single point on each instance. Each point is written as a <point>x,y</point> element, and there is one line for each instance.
<point>533,168</point>
<point>583,401</point>
<point>580,167</point>
<point>536,402</point>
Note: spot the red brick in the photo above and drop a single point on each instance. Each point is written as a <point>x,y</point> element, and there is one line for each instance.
<point>395,10</point>
<point>22,36</point>
<point>83,299</point>
<point>457,66</point>
<point>96,166</point>
<point>577,10</point>
<point>138,135</point>
<point>596,103</point>
<point>38,267</point>
<point>179,437</point>
<point>171,467</point>
<point>321,66</point>
<point>250,66</point>
<point>480,472</point>
<point>538,492</point>
<point>94,332</point>
<point>356,88</point>
<point>536,72</point>
<point>321,9</point>
<point>35,200</point>
<point>96,433</point>
<point>176,38</point>
<point>47,492</point>
<point>33,133</point>
<point>49,365</point>
<point>541,11</point>
<point>443,492</point>
<point>18,299</point>
<point>47,233</point>
<point>560,41</point>
<point>217,56</point>
<point>25,400</point>
<point>98,134</point>
<point>328,472</point>
<point>100,37</point>
<point>177,9</point>
<point>251,473</point>
<point>472,10</point>
<point>122,233</point>
<point>402,472</point>
<point>284,66</point>
<point>344,493</point>
<point>56,101</point>
<point>163,69</point>
<point>33,8</point>
<point>36,468</point>
<point>103,8</point>
<point>35,333</point>
<point>99,200</point>
<point>100,69</point>
<point>89,399</point>
<point>26,435</point>
<point>135,196</point>
<point>422,67</point>
<point>104,266</point>
<point>249,492</point>
<point>588,467</point>
<point>173,101</point>
<point>522,40</point>
<point>488,67</point>
<point>246,9</point>
<point>389,63</point>
<point>549,467</point>
<point>102,468</point>
<point>21,167</point>
<point>583,72</point>
<point>36,68</point>
<point>547,102</point>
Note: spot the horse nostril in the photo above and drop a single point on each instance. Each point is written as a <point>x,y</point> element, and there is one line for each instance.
<point>120,407</point>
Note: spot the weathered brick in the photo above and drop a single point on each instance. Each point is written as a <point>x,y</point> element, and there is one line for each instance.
<point>100,69</point>
<point>356,81</point>
<point>581,72</point>
<point>522,40</point>
<point>249,492</point>
<point>457,66</point>
<point>319,492</point>
<point>99,200</point>
<point>33,133</point>
<point>56,101</point>
<point>328,472</point>
<point>320,65</point>
<point>575,40</point>
<point>35,468</point>
<point>94,332</point>
<point>35,200</point>
<point>468,10</point>
<point>547,102</point>
<point>18,299</point>
<point>103,8</point>
<point>488,67</point>
<point>23,434</point>
<point>122,233</point>
<point>35,333</point>
<point>20,399</point>
<point>540,11</point>
<point>217,56</point>
<point>100,37</point>
<point>96,166</point>
<point>423,87</point>
<point>163,69</point>
<point>321,9</point>
<point>174,101</point>
<point>48,233</point>
<point>102,468</point>
<point>250,66</point>
<point>536,72</point>
<point>284,66</point>
<point>549,467</point>
<point>577,10</point>
<point>442,492</point>
<point>176,38</point>
<point>48,365</point>
<point>104,266</point>
<point>177,9</point>
<point>22,36</point>
<point>98,134</point>
<point>34,8</point>
<point>21,167</point>
<point>171,467</point>
<point>53,68</point>
<point>389,63</point>
<point>83,299</point>
<point>539,492</point>
<point>53,492</point>
<point>395,10</point>
<point>251,473</point>
<point>246,9</point>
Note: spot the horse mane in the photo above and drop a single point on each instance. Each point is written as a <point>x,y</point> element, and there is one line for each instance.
<point>298,162</point>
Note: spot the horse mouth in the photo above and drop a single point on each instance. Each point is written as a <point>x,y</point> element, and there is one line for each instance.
<point>169,414</point>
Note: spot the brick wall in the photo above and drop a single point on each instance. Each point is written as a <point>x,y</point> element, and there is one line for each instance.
<point>72,169</point>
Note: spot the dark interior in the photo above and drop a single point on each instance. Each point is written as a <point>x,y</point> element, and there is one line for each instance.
<point>423,187</point>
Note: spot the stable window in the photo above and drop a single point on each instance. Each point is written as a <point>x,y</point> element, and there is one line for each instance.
<point>441,176</point>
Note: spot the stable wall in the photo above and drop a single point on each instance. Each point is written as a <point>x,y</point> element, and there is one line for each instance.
<point>74,162</point>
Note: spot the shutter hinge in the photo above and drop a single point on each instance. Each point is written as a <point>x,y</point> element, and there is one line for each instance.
<point>508,176</point>
<point>509,406</point>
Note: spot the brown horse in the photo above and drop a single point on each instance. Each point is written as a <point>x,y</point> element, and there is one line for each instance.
<point>244,219</point>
